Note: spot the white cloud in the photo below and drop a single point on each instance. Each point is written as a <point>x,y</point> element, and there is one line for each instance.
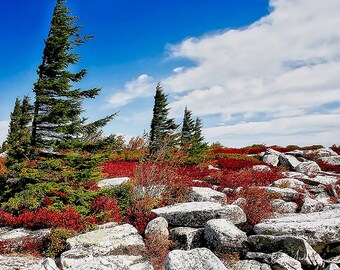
<point>143,86</point>
<point>280,73</point>
<point>321,129</point>
<point>3,130</point>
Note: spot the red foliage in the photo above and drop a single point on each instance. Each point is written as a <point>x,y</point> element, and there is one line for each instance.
<point>258,205</point>
<point>90,185</point>
<point>44,218</point>
<point>236,164</point>
<point>328,167</point>
<point>26,245</point>
<point>140,214</point>
<point>120,168</point>
<point>47,201</point>
<point>231,151</point>
<point>58,193</point>
<point>108,205</point>
<point>248,178</point>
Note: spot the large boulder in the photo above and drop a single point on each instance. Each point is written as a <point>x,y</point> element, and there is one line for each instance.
<point>158,226</point>
<point>318,228</point>
<point>310,205</point>
<point>117,247</point>
<point>335,160</point>
<point>293,246</point>
<point>308,168</point>
<point>321,180</point>
<point>288,161</point>
<point>196,214</point>
<point>187,238</point>
<point>283,207</point>
<point>276,260</point>
<point>206,194</point>
<point>288,183</point>
<point>324,152</point>
<point>286,194</point>
<point>222,235</point>
<point>199,258</point>
<point>271,157</point>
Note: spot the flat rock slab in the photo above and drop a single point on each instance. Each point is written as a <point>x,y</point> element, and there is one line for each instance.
<point>113,247</point>
<point>196,214</point>
<point>112,182</point>
<point>331,160</point>
<point>316,228</point>
<point>252,265</point>
<point>199,258</point>
<point>293,246</point>
<point>27,263</point>
<point>206,194</point>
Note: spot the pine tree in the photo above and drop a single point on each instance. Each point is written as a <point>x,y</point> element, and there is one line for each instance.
<point>18,139</point>
<point>187,127</point>
<point>198,145</point>
<point>58,107</point>
<point>162,127</point>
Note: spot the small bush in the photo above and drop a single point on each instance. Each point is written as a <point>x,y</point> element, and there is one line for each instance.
<point>55,242</point>
<point>107,205</point>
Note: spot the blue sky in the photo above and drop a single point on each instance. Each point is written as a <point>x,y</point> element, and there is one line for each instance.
<point>255,71</point>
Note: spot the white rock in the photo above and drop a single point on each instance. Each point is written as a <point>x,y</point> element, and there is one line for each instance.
<point>252,265</point>
<point>118,247</point>
<point>222,235</point>
<point>26,263</point>
<point>261,168</point>
<point>285,193</point>
<point>308,168</point>
<point>211,167</point>
<point>283,207</point>
<point>199,258</point>
<point>196,214</point>
<point>281,261</point>
<point>325,152</point>
<point>187,238</point>
<point>49,264</point>
<point>321,180</point>
<point>293,246</point>
<point>158,225</point>
<point>332,266</point>
<point>318,228</point>
<point>112,182</point>
<point>288,183</point>
<point>310,205</point>
<point>205,194</point>
<point>240,202</point>
<point>335,160</point>
<point>271,157</point>
<point>289,161</point>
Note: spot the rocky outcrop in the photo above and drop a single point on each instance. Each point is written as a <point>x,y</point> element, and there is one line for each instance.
<point>318,229</point>
<point>286,194</point>
<point>199,258</point>
<point>271,157</point>
<point>222,235</point>
<point>205,194</point>
<point>308,168</point>
<point>295,247</point>
<point>112,247</point>
<point>187,238</point>
<point>252,265</point>
<point>288,183</point>
<point>196,214</point>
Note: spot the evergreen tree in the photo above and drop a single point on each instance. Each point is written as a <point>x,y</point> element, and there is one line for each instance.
<point>162,127</point>
<point>58,106</point>
<point>18,138</point>
<point>187,127</point>
<point>198,145</point>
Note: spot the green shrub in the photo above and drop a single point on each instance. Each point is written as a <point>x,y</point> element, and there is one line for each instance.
<point>55,242</point>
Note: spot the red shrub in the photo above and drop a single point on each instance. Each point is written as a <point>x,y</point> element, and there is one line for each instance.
<point>328,167</point>
<point>108,205</point>
<point>236,164</point>
<point>119,168</point>
<point>58,193</point>
<point>47,201</point>
<point>258,205</point>
<point>140,214</point>
<point>249,178</point>
<point>6,247</point>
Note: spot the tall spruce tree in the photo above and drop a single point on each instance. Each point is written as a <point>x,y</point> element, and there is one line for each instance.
<point>19,133</point>
<point>198,145</point>
<point>58,107</point>
<point>162,127</point>
<point>187,127</point>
